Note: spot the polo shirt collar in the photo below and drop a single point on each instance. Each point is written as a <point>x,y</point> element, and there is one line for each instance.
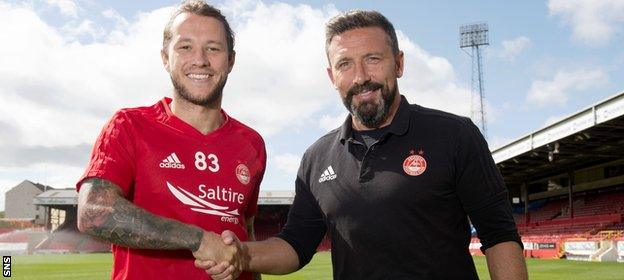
<point>398,126</point>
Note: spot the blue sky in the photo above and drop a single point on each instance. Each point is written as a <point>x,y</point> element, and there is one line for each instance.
<point>66,66</point>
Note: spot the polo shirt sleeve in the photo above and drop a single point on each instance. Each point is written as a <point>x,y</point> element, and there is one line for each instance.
<point>305,226</point>
<point>481,189</point>
<point>112,157</point>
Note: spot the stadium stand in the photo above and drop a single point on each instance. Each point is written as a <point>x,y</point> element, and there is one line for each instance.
<point>67,239</point>
<point>20,241</point>
<point>566,181</point>
<point>592,213</point>
<point>265,231</point>
<point>70,241</point>
<point>271,218</point>
<point>14,236</point>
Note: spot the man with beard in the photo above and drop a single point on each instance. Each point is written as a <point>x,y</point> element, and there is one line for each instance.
<point>164,181</point>
<point>394,186</point>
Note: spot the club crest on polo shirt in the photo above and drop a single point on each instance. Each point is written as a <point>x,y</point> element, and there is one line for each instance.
<point>172,161</point>
<point>415,164</point>
<point>328,175</point>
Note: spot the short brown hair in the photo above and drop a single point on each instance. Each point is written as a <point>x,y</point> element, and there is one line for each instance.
<point>360,19</point>
<point>200,8</point>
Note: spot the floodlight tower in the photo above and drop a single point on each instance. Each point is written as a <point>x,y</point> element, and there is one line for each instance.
<point>472,36</point>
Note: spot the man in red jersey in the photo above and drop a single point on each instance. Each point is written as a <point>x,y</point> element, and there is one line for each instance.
<point>165,180</point>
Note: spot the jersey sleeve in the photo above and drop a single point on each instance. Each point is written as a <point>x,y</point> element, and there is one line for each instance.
<point>482,190</point>
<point>305,226</point>
<point>112,157</point>
<point>252,206</point>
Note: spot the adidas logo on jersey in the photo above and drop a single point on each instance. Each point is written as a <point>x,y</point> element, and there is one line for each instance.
<point>327,175</point>
<point>172,161</point>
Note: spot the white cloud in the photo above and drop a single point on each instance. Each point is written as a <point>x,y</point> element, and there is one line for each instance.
<point>593,23</point>
<point>120,22</point>
<point>279,79</point>
<point>430,80</point>
<point>564,83</point>
<point>512,48</point>
<point>328,122</point>
<point>67,7</point>
<point>72,30</point>
<point>59,91</point>
<point>289,163</point>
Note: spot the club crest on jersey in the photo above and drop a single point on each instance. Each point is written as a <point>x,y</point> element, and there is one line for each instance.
<point>415,165</point>
<point>242,174</point>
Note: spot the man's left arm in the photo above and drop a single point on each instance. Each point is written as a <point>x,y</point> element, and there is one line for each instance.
<point>483,195</point>
<point>252,237</point>
<point>505,261</point>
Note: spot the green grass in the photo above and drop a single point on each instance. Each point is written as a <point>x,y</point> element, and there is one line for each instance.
<point>97,266</point>
<point>563,269</point>
<point>70,266</point>
<point>319,268</point>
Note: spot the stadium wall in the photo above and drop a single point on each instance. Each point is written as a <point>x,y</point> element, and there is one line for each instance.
<point>620,248</point>
<point>543,249</point>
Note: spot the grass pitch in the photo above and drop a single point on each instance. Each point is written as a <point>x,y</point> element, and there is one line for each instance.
<point>98,266</point>
<point>70,266</point>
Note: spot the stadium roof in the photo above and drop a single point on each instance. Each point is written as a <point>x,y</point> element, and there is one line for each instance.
<point>276,197</point>
<point>57,197</point>
<point>589,137</point>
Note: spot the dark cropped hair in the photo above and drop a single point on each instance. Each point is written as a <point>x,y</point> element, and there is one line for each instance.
<point>200,8</point>
<point>360,19</point>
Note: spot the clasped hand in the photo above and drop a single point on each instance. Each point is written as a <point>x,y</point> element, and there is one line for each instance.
<point>223,257</point>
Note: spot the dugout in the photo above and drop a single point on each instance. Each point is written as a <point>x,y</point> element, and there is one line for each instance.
<point>60,205</point>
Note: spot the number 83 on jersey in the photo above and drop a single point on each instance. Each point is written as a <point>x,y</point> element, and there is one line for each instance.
<point>203,162</point>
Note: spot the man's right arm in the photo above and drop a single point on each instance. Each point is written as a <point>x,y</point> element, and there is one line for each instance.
<point>103,212</point>
<point>270,256</point>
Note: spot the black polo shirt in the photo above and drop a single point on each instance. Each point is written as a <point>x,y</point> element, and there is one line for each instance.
<point>399,208</point>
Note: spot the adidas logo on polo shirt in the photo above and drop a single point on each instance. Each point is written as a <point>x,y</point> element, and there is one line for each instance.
<point>327,175</point>
<point>172,161</point>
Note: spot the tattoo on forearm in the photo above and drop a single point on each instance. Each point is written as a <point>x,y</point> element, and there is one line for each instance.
<point>106,214</point>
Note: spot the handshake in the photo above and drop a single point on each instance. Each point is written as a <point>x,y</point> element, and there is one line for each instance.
<point>223,257</point>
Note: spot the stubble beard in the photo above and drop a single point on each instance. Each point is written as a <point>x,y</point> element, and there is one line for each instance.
<point>211,100</point>
<point>369,113</point>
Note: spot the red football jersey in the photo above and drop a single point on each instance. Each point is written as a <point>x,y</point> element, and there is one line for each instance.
<point>167,167</point>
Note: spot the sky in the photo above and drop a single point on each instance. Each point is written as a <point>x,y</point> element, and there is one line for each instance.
<point>67,65</point>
